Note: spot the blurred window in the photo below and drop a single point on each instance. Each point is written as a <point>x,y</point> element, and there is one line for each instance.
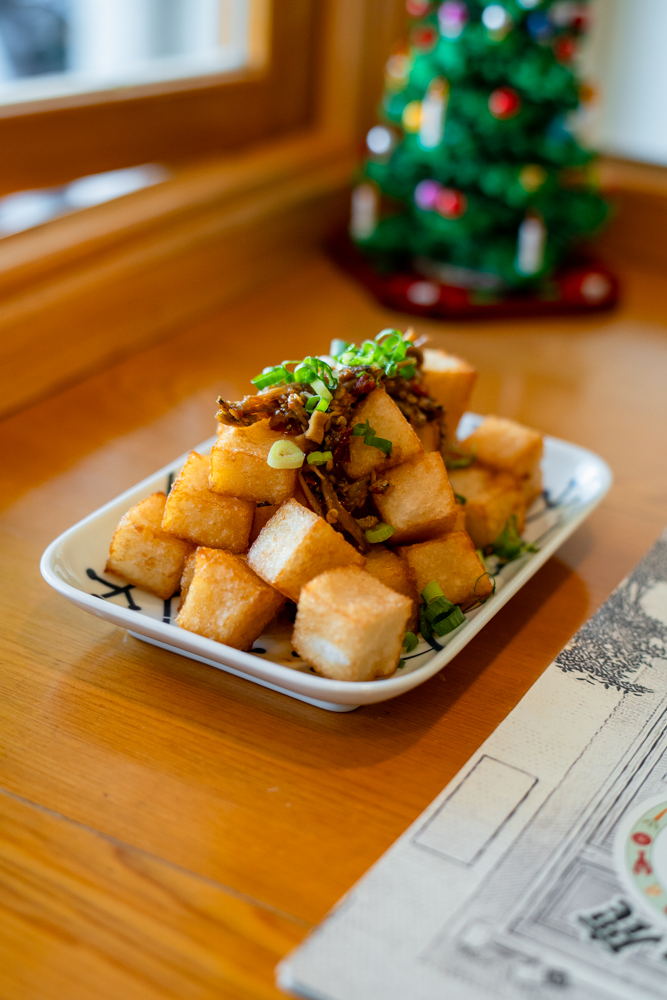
<point>52,48</point>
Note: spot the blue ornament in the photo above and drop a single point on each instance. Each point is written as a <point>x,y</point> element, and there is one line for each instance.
<point>539,26</point>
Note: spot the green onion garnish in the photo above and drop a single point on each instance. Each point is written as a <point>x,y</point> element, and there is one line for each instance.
<point>271,376</point>
<point>432,591</point>
<point>304,374</point>
<point>321,389</point>
<point>401,664</point>
<point>410,642</point>
<point>460,499</point>
<point>438,614</point>
<point>285,454</point>
<point>509,545</point>
<point>338,347</point>
<point>445,625</point>
<point>368,434</point>
<point>380,533</point>
<point>319,457</point>
<point>456,458</point>
<point>317,403</point>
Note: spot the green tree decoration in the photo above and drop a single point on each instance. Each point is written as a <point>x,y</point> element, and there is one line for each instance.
<point>475,178</point>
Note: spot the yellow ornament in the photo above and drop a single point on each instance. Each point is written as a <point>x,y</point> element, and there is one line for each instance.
<point>412,116</point>
<point>532,177</point>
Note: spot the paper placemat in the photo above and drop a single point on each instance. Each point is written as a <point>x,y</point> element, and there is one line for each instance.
<point>541,870</point>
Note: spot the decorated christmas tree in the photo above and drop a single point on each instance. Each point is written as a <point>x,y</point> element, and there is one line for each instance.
<point>476,178</point>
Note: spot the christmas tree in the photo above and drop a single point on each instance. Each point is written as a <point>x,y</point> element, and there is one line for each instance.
<point>476,178</point>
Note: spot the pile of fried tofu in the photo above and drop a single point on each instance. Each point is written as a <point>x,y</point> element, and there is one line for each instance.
<point>238,538</point>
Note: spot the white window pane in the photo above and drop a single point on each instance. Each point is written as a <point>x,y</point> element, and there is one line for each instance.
<point>51,48</point>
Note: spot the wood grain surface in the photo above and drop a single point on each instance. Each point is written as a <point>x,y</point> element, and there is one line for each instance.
<point>167,830</point>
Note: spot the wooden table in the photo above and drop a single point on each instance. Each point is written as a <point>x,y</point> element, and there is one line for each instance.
<point>168,830</point>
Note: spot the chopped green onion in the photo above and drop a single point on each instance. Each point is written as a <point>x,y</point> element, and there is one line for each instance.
<point>284,454</point>
<point>456,458</point>
<point>338,347</point>
<point>493,581</point>
<point>509,545</point>
<point>430,592</point>
<point>304,374</point>
<point>401,664</point>
<point>447,624</point>
<point>320,388</point>
<point>312,402</point>
<point>319,457</point>
<point>368,434</point>
<point>410,642</point>
<point>438,608</point>
<point>272,376</point>
<point>424,626</point>
<point>381,443</point>
<point>379,533</point>
<point>460,499</point>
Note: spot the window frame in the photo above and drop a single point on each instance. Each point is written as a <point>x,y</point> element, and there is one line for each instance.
<point>174,121</point>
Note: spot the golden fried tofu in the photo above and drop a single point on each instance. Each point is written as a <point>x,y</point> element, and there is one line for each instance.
<point>532,485</point>
<point>429,435</point>
<point>349,626</point>
<point>260,518</point>
<point>419,503</point>
<point>491,498</point>
<point>395,573</point>
<point>388,422</point>
<point>296,545</point>
<point>198,515</point>
<point>186,576</point>
<point>455,566</point>
<point>460,522</point>
<point>450,380</point>
<point>143,553</point>
<point>505,445</point>
<point>226,601</point>
<point>239,467</point>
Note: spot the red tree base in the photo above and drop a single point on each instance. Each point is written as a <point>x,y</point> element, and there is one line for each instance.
<point>582,285</point>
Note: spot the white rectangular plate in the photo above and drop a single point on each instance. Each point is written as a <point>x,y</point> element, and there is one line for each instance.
<point>575,481</point>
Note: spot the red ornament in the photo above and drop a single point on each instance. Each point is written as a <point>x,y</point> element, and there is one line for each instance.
<point>417,8</point>
<point>504,103</point>
<point>424,39</point>
<point>565,49</point>
<point>450,204</point>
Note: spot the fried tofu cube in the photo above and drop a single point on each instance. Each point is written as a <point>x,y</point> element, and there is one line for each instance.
<point>450,380</point>
<point>349,626</point>
<point>226,601</point>
<point>429,435</point>
<point>296,545</point>
<point>239,467</point>
<point>395,573</point>
<point>505,445</point>
<point>388,422</point>
<point>261,516</point>
<point>198,515</point>
<point>491,498</point>
<point>532,485</point>
<point>460,522</point>
<point>143,553</point>
<point>455,566</point>
<point>186,576</point>
<point>419,503</point>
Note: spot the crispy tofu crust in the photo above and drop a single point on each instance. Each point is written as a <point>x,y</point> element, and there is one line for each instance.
<point>419,503</point>
<point>388,422</point>
<point>349,626</point>
<point>239,467</point>
<point>455,566</point>
<point>505,445</point>
<point>226,600</point>
<point>395,573</point>
<point>450,380</point>
<point>296,545</point>
<point>491,498</point>
<point>198,515</point>
<point>143,553</point>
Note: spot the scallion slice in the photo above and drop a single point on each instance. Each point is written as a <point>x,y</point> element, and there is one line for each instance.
<point>321,389</point>
<point>380,533</point>
<point>451,621</point>
<point>285,454</point>
<point>509,545</point>
<point>368,434</point>
<point>304,374</point>
<point>410,642</point>
<point>338,347</point>
<point>271,376</point>
<point>430,592</point>
<point>319,457</point>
